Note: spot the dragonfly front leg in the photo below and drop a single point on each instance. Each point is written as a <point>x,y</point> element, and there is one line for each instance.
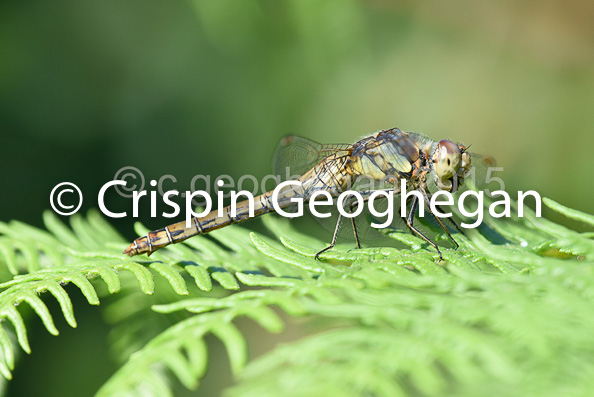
<point>427,201</point>
<point>440,209</point>
<point>410,223</point>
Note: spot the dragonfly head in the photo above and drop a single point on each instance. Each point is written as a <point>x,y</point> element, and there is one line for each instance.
<point>450,163</point>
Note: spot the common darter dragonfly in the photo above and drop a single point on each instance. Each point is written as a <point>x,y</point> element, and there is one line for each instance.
<point>388,156</point>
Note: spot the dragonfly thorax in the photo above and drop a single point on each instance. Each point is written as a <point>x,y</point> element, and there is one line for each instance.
<point>386,155</point>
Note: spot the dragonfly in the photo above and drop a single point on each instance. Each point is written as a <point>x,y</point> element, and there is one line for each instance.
<point>389,156</point>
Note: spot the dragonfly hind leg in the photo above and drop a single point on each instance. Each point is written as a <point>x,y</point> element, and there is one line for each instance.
<point>351,206</point>
<point>337,229</point>
<point>355,232</point>
<point>334,237</point>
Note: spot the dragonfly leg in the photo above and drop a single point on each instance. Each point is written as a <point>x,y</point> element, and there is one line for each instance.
<point>366,196</point>
<point>355,232</point>
<point>450,219</point>
<point>410,223</point>
<point>453,222</point>
<point>354,225</point>
<point>334,237</point>
<point>444,227</point>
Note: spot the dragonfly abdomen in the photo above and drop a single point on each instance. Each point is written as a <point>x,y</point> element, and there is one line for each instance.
<point>201,225</point>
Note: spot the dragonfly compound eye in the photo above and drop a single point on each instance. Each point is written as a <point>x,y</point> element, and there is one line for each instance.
<point>446,159</point>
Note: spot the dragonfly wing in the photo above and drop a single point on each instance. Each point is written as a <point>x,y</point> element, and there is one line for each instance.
<point>296,155</point>
<point>484,174</point>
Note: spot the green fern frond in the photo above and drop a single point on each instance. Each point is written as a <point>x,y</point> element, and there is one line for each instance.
<point>183,347</point>
<point>509,312</point>
<point>90,251</point>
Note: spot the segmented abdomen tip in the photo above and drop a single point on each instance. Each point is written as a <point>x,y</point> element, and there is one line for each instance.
<point>130,251</point>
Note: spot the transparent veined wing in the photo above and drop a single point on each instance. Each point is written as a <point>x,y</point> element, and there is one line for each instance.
<point>296,155</point>
<point>484,174</point>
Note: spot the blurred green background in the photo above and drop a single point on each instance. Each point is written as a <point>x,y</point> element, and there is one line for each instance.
<point>209,87</point>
